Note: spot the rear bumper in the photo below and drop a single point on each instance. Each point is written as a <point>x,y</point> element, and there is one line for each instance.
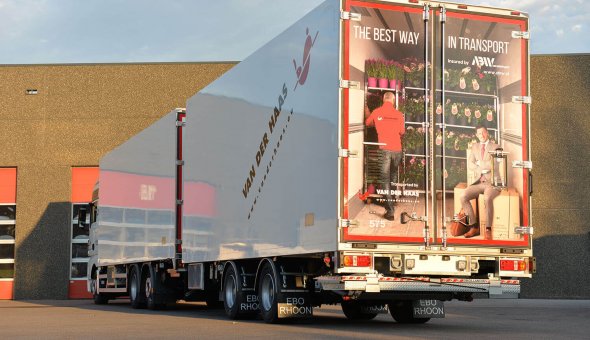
<point>370,284</point>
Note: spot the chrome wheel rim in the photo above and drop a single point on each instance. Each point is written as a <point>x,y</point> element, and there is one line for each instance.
<point>93,286</point>
<point>148,286</point>
<point>267,291</point>
<point>231,291</point>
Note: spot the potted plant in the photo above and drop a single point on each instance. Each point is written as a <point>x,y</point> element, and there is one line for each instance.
<point>371,71</point>
<point>394,75</point>
<point>383,73</point>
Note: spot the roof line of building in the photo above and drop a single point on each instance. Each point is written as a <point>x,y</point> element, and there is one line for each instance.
<point>559,54</point>
<point>122,63</point>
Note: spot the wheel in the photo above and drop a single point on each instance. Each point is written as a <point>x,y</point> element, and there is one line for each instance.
<point>152,288</point>
<point>235,299</point>
<point>353,311</point>
<point>230,293</point>
<point>99,298</point>
<point>402,312</point>
<point>268,294</point>
<point>136,294</point>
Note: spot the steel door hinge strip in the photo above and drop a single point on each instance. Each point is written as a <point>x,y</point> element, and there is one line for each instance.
<point>347,153</point>
<point>350,84</point>
<point>522,99</point>
<point>521,35</point>
<point>524,230</point>
<point>345,223</point>
<point>344,15</point>
<point>522,164</point>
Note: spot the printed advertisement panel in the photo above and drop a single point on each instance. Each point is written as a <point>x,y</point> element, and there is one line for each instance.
<point>386,55</point>
<point>485,131</point>
<point>419,165</point>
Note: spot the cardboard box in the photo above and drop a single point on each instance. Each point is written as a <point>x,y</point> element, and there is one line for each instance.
<point>506,215</point>
<point>458,191</point>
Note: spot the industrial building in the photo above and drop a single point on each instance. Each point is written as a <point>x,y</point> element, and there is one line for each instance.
<point>59,120</point>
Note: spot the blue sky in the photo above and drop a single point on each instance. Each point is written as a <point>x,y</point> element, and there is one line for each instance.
<point>109,31</point>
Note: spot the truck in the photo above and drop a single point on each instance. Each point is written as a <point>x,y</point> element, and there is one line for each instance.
<point>280,187</point>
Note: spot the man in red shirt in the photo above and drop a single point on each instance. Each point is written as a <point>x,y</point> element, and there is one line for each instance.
<point>389,123</point>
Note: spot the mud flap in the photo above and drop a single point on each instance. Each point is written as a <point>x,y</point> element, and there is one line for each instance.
<point>424,309</point>
<point>295,306</point>
<point>375,309</point>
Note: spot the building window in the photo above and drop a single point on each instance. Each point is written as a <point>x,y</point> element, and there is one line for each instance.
<point>7,233</point>
<point>7,230</point>
<point>83,182</point>
<point>79,249</point>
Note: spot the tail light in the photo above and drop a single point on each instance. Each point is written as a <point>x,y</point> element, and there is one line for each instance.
<point>513,265</point>
<point>356,260</point>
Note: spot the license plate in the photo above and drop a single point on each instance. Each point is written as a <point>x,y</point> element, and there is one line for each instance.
<point>429,309</point>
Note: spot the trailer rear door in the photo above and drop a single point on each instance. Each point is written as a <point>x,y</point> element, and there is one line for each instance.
<point>451,71</point>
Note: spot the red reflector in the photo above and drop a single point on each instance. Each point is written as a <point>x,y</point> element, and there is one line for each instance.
<point>413,1</point>
<point>356,261</point>
<point>515,13</point>
<point>513,265</point>
<point>462,6</point>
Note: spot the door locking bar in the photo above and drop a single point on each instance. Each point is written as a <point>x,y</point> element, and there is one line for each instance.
<point>406,218</point>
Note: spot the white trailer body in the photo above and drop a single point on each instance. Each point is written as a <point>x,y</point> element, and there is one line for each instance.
<point>266,138</point>
<point>274,134</point>
<point>137,197</point>
<point>271,195</point>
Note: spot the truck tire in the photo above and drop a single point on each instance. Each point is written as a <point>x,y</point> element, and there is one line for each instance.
<point>402,312</point>
<point>136,293</point>
<point>152,289</point>
<point>233,296</point>
<point>353,311</point>
<point>268,293</point>
<point>230,293</point>
<point>99,298</point>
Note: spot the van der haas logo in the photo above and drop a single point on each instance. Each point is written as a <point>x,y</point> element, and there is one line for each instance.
<point>303,70</point>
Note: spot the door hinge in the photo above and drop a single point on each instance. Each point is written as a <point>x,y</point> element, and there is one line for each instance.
<point>179,123</point>
<point>522,164</point>
<point>522,99</point>
<point>350,16</point>
<point>521,35</point>
<point>350,84</point>
<point>179,202</point>
<point>347,153</point>
<point>179,162</point>
<point>523,230</point>
<point>345,223</point>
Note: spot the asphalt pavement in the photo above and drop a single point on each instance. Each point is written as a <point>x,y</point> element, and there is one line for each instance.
<point>481,319</point>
